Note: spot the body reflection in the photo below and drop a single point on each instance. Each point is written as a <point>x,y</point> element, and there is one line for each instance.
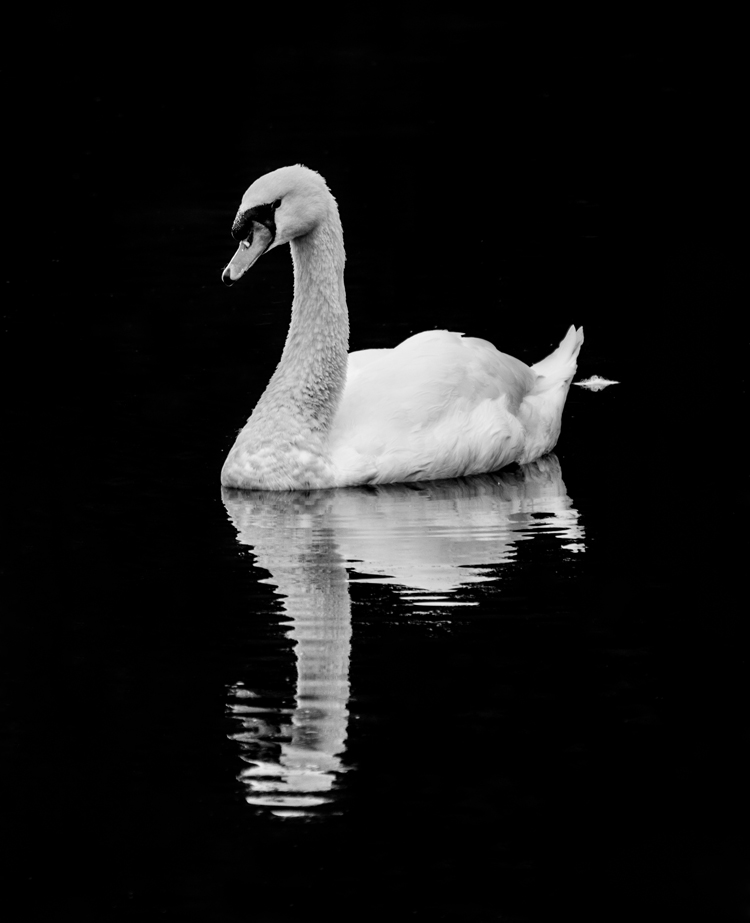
<point>428,539</point>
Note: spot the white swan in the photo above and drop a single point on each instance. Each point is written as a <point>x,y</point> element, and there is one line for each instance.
<point>439,405</point>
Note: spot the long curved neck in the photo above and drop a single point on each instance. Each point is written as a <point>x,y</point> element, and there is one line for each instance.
<point>308,382</point>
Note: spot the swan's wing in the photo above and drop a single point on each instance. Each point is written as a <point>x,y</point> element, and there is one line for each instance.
<point>505,375</point>
<point>432,373</point>
<point>395,397</point>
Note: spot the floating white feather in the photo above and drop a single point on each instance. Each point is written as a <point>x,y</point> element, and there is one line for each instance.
<point>595,383</point>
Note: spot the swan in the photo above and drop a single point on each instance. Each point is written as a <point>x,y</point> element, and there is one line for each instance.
<point>438,405</point>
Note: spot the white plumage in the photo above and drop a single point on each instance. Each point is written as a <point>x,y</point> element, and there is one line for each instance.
<point>438,405</point>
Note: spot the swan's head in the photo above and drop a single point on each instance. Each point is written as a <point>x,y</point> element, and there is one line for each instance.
<point>278,207</point>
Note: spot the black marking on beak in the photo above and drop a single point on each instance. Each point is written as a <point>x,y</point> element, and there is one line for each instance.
<point>242,229</point>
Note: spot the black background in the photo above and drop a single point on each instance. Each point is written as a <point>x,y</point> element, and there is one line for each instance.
<point>492,178</point>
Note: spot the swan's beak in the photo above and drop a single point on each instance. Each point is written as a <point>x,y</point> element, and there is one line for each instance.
<point>247,253</point>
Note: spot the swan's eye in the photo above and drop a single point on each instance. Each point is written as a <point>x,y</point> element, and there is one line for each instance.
<point>277,203</point>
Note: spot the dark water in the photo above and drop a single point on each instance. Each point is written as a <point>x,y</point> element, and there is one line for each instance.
<point>513,697</point>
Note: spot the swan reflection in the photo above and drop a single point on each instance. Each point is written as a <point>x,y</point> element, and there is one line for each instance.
<point>426,539</point>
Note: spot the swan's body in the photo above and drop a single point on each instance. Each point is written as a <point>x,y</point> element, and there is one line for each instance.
<point>438,405</point>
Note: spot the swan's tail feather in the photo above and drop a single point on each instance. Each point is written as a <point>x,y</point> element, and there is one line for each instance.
<point>546,401</point>
<point>560,366</point>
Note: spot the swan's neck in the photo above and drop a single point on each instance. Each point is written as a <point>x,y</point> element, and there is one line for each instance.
<point>304,392</point>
